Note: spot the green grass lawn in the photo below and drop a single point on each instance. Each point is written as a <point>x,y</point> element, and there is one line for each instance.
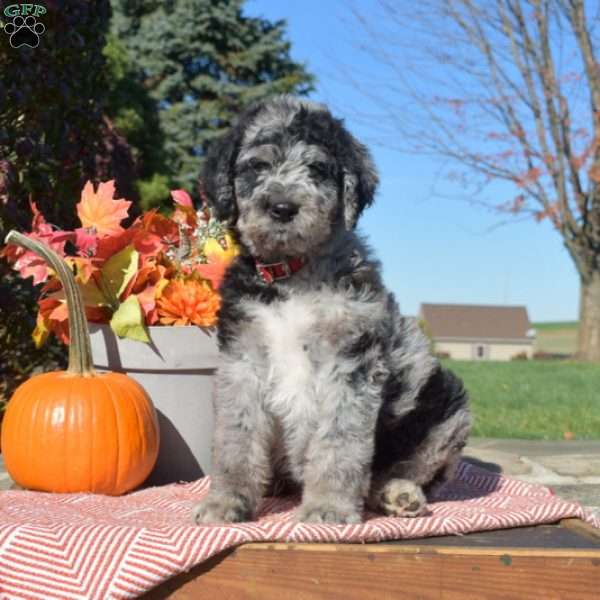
<point>559,337</point>
<point>532,399</point>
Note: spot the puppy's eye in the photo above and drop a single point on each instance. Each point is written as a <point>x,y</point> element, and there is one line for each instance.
<point>319,170</point>
<point>258,165</point>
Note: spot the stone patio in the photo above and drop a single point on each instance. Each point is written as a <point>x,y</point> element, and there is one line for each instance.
<point>570,468</point>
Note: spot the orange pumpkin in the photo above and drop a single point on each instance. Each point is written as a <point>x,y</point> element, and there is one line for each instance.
<point>78,430</point>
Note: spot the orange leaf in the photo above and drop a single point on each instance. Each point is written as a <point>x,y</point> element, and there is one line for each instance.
<point>594,173</point>
<point>59,312</point>
<point>156,234</point>
<point>60,326</point>
<point>110,245</point>
<point>97,209</point>
<point>214,271</point>
<point>552,211</point>
<point>529,177</point>
<point>84,267</point>
<point>185,215</point>
<point>147,286</point>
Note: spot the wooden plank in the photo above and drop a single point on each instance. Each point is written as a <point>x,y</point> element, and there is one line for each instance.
<point>581,528</point>
<point>417,547</point>
<point>381,571</point>
<point>539,536</point>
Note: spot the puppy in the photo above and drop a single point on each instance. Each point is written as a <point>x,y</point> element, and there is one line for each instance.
<point>322,383</point>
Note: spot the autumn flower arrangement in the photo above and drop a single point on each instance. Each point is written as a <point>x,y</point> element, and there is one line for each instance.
<point>159,270</point>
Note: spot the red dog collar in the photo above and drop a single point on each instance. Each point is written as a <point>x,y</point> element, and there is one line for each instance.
<point>281,270</point>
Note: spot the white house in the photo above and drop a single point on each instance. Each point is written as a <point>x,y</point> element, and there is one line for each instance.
<point>478,332</point>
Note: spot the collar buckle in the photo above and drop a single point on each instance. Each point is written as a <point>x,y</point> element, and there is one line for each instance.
<point>270,272</point>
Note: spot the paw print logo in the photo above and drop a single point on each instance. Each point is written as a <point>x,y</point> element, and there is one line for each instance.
<point>24,31</point>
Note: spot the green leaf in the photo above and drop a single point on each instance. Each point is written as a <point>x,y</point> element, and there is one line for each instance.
<point>118,271</point>
<point>128,321</point>
<point>90,293</point>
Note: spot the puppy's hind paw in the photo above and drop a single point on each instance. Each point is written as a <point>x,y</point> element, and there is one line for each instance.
<point>220,508</point>
<point>402,498</point>
<point>327,513</point>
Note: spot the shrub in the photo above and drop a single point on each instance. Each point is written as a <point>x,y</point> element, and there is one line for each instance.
<point>551,356</point>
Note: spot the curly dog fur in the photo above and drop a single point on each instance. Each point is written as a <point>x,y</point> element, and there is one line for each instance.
<point>322,385</point>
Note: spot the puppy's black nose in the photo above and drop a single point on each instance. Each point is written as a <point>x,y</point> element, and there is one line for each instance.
<point>283,211</point>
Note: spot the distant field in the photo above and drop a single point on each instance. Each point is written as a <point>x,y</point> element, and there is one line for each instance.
<point>533,399</point>
<point>558,337</point>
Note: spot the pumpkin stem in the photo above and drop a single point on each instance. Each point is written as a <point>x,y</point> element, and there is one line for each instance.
<point>80,350</point>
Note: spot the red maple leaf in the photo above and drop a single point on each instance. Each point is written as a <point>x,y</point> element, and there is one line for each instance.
<point>26,262</point>
<point>86,241</point>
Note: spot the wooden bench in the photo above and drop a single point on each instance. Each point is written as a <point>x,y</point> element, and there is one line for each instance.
<point>546,562</point>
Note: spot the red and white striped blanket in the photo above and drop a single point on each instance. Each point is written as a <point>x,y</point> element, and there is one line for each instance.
<point>81,546</point>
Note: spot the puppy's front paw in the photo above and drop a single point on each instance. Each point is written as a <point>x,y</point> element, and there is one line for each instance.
<point>327,513</point>
<point>222,508</point>
<point>402,498</point>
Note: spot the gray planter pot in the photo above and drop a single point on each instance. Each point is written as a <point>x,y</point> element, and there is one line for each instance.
<point>177,370</point>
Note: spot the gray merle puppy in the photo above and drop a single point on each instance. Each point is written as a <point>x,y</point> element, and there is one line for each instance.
<point>322,383</point>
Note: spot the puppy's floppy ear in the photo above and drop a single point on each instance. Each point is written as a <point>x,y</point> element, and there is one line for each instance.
<point>218,172</point>
<point>360,179</point>
<point>217,176</point>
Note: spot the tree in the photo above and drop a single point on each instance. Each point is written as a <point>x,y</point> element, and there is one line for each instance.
<point>54,135</point>
<point>509,91</point>
<point>202,61</point>
<point>135,116</point>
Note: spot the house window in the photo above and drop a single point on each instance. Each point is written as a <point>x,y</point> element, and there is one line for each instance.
<point>481,352</point>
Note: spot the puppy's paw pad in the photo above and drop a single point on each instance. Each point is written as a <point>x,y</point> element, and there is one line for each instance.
<point>312,513</point>
<point>402,498</point>
<point>221,509</point>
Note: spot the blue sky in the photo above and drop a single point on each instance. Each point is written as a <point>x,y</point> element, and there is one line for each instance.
<point>433,249</point>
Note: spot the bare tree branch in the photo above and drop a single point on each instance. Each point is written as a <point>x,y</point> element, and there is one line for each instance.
<point>507,90</point>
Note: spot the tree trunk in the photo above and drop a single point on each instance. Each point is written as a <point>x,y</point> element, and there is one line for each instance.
<point>588,345</point>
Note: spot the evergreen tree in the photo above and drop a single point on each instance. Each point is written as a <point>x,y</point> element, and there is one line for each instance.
<point>202,61</point>
<point>135,115</point>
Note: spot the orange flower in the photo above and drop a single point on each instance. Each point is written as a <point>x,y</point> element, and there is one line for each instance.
<point>188,302</point>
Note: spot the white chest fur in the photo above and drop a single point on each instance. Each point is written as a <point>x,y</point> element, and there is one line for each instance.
<point>300,339</point>
<point>287,333</point>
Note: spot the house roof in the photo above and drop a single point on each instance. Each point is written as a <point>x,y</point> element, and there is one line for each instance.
<point>476,321</point>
